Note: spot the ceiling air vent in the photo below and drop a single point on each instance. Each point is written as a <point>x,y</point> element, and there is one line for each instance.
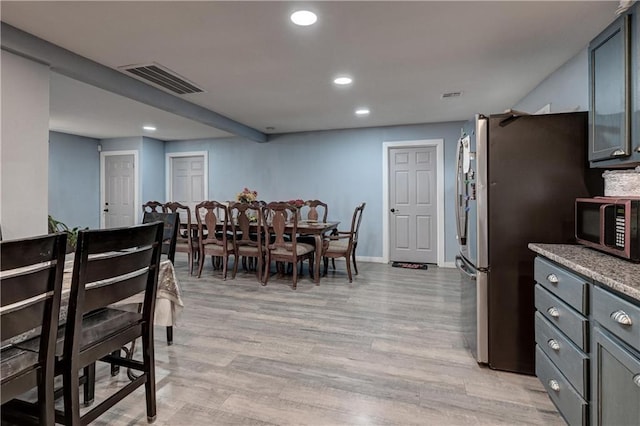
<point>451,95</point>
<point>162,77</point>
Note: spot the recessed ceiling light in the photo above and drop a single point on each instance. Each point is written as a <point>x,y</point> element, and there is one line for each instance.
<point>149,128</point>
<point>303,18</point>
<point>362,111</point>
<point>343,80</point>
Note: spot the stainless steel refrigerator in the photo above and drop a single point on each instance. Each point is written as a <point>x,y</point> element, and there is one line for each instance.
<point>517,180</point>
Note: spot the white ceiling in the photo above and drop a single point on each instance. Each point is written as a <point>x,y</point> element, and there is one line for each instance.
<point>260,70</point>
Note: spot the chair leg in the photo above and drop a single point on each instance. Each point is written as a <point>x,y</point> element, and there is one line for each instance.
<point>295,276</point>
<point>169,335</point>
<point>353,257</point>
<point>348,267</point>
<point>148,358</point>
<point>46,399</point>
<point>71,393</point>
<point>333,263</point>
<point>267,270</point>
<point>190,257</point>
<point>115,369</point>
<point>89,388</point>
<point>200,265</point>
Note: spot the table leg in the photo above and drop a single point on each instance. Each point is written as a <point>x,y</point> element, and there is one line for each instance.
<point>318,255</point>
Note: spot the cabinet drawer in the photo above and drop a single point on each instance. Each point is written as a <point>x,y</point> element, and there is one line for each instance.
<point>571,405</point>
<point>567,286</point>
<point>620,317</point>
<point>570,322</point>
<point>569,359</point>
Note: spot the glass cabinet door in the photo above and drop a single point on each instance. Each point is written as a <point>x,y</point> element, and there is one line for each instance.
<point>609,82</point>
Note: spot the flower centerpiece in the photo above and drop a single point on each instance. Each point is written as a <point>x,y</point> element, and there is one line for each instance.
<point>247,196</point>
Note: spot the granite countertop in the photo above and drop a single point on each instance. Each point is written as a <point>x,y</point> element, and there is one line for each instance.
<point>618,274</point>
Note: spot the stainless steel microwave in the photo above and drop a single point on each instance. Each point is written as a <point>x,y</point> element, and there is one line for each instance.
<point>610,224</point>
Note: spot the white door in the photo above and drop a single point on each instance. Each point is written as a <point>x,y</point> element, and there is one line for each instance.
<point>188,180</point>
<point>413,204</point>
<point>119,190</point>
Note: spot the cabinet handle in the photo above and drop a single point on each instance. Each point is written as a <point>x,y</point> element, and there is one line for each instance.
<point>636,380</point>
<point>552,278</point>
<point>553,311</point>
<point>621,317</point>
<point>553,384</point>
<point>618,153</point>
<point>553,344</point>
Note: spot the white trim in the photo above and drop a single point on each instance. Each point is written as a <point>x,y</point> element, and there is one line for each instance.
<point>386,146</point>
<point>372,259</point>
<point>169,156</point>
<point>136,177</point>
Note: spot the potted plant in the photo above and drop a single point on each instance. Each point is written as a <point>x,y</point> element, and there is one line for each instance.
<point>72,234</point>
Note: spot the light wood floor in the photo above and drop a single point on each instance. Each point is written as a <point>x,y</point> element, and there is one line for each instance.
<point>384,350</point>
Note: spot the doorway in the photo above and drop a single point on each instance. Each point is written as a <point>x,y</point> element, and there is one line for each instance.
<point>118,188</point>
<point>413,201</point>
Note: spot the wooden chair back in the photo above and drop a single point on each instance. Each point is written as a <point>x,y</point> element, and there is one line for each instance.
<point>171,225</point>
<point>153,206</point>
<point>355,223</point>
<point>111,265</point>
<point>316,210</point>
<point>31,286</point>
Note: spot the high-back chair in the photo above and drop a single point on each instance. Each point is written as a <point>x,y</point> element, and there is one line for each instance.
<point>344,243</point>
<point>31,287</point>
<point>187,238</point>
<point>217,231</point>
<point>250,234</point>
<point>284,247</point>
<point>153,206</point>
<point>316,211</point>
<point>110,265</point>
<point>171,224</point>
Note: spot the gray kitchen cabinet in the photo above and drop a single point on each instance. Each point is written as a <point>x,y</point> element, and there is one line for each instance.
<point>562,338</point>
<point>614,94</point>
<point>615,355</point>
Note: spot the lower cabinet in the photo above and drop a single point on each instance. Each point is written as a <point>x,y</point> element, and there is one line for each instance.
<point>587,347</point>
<point>615,381</point>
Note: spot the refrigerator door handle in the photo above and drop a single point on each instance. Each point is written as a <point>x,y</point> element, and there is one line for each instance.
<point>462,267</point>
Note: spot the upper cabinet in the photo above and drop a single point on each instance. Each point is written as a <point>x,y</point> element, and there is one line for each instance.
<point>614,110</point>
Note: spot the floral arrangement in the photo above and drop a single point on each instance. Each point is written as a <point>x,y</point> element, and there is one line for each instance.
<point>296,203</point>
<point>247,196</point>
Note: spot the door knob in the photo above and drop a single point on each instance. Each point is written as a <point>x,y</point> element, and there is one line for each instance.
<point>105,210</point>
<point>393,210</point>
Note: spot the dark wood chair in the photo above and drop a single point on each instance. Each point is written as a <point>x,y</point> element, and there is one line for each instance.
<point>216,231</point>
<point>249,239</point>
<point>187,238</point>
<point>284,247</point>
<point>171,225</point>
<point>153,206</point>
<point>110,265</point>
<point>316,210</point>
<point>344,243</point>
<point>31,285</point>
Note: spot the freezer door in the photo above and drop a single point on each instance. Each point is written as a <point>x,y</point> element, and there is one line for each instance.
<point>474,309</point>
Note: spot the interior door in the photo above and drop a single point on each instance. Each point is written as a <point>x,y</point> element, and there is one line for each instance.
<point>119,197</point>
<point>413,204</point>
<point>188,179</point>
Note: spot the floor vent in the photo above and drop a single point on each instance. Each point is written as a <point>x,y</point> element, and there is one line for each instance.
<point>162,77</point>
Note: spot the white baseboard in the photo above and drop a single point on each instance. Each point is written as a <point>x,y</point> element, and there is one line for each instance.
<point>447,265</point>
<point>370,259</point>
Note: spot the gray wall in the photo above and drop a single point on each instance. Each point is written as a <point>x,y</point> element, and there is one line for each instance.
<point>23,147</point>
<point>152,164</point>
<point>566,89</point>
<point>74,180</point>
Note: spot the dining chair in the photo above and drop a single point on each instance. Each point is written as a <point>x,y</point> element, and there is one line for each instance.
<point>110,265</point>
<point>250,235</point>
<point>171,225</point>
<point>315,209</point>
<point>153,206</point>
<point>187,237</point>
<point>217,230</point>
<point>344,243</point>
<point>284,247</point>
<point>31,286</point>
